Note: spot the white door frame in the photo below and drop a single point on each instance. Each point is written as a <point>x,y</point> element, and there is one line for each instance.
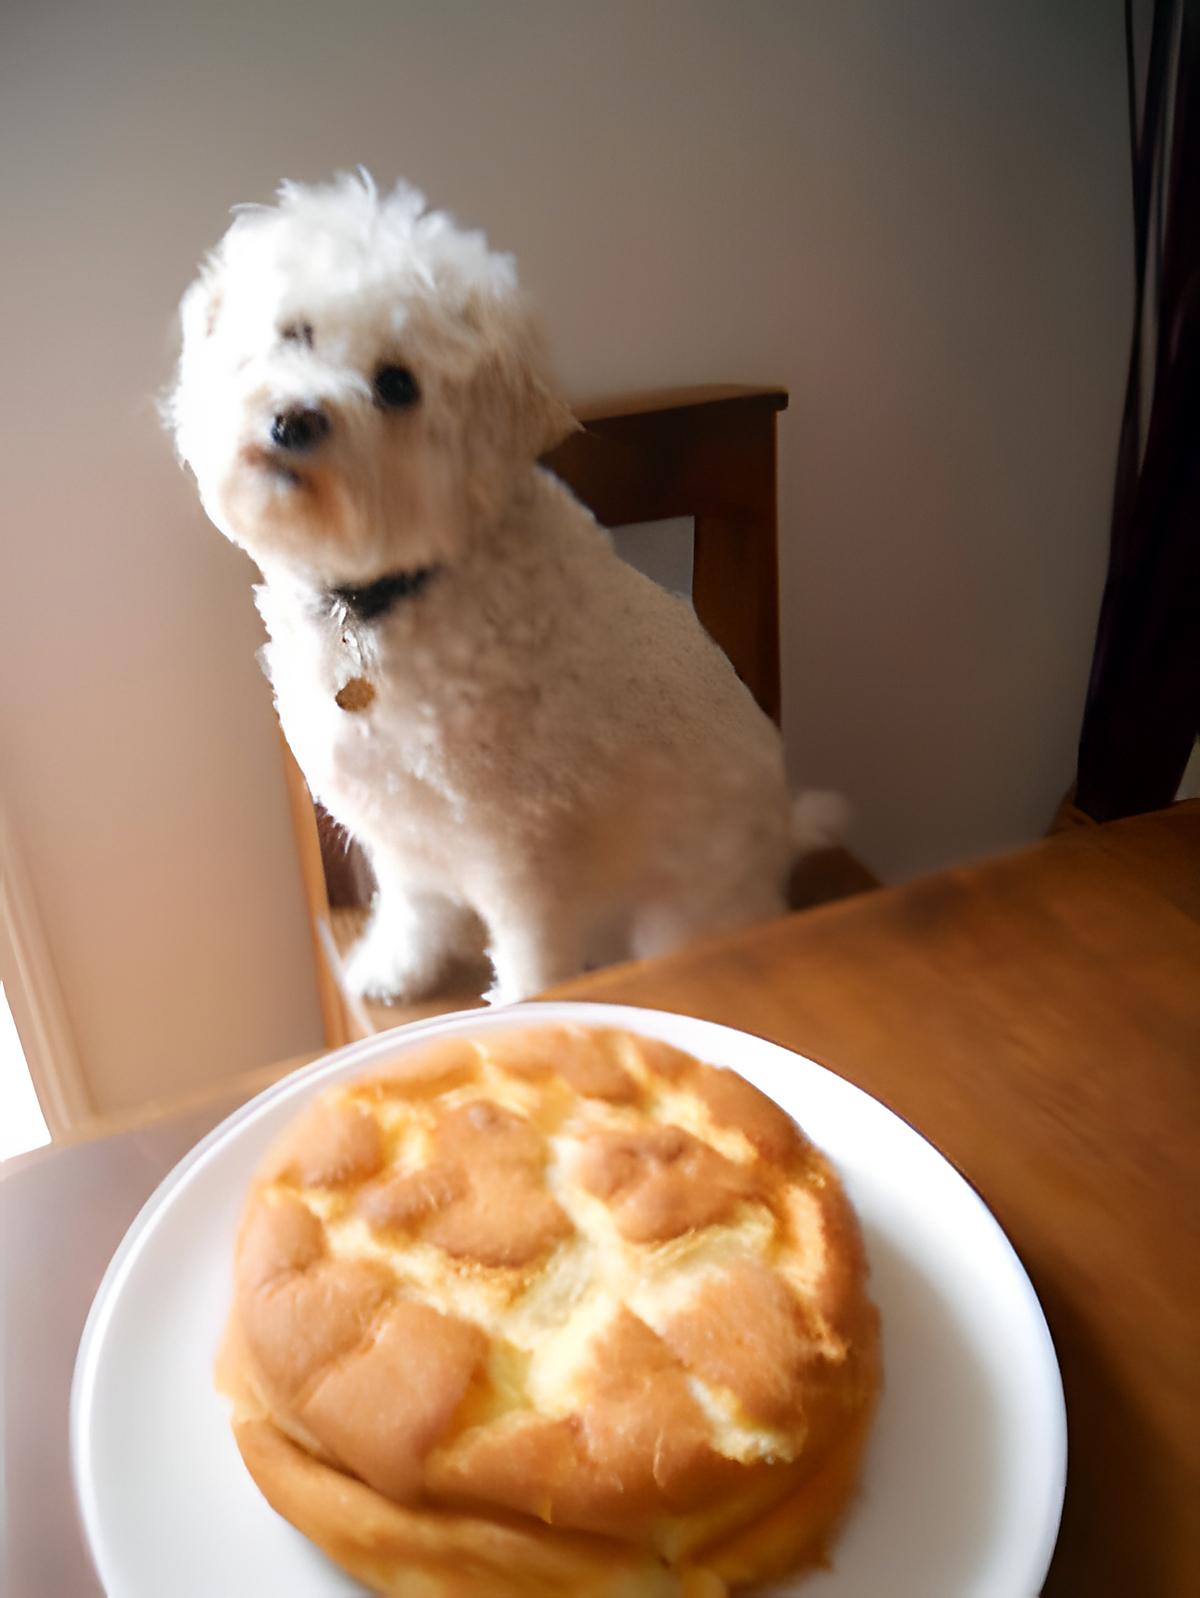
<point>35,997</point>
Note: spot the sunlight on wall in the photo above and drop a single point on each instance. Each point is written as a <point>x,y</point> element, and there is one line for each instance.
<point>22,1124</point>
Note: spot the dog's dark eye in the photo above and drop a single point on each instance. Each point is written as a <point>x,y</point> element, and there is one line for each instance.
<point>396,388</point>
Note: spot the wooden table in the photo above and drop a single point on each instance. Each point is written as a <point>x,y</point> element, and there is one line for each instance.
<point>1037,1017</point>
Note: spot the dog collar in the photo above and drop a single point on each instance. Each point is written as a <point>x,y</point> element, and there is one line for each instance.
<point>376,599</point>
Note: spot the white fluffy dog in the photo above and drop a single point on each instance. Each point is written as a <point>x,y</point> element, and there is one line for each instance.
<point>534,743</point>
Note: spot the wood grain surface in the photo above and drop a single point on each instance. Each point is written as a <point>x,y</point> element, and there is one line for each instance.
<point>1037,1018</point>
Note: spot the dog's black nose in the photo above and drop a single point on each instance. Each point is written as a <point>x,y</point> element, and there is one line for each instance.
<point>299,429</point>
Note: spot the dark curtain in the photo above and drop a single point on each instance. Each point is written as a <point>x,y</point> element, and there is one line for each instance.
<point>1142,713</point>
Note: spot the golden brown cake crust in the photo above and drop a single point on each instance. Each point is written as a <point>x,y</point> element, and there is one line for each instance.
<point>553,1310</point>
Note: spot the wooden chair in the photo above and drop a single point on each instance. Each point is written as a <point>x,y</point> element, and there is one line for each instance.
<point>708,454</point>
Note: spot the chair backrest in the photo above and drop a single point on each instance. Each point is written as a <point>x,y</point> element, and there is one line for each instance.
<point>708,454</point>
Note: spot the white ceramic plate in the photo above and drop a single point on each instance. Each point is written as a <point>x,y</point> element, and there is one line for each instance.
<point>964,1478</point>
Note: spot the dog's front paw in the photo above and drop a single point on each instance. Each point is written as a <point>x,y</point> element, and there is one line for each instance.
<point>530,956</point>
<point>381,969</point>
<point>504,992</point>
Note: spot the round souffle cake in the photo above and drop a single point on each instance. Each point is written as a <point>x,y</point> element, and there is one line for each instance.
<point>554,1311</point>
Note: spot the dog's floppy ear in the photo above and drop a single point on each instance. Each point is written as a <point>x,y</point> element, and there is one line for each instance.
<point>198,312</point>
<point>200,306</point>
<point>512,380</point>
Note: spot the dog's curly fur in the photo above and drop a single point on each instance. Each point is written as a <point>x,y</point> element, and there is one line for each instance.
<point>556,756</point>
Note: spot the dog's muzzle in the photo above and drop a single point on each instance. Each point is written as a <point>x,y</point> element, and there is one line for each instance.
<point>299,430</point>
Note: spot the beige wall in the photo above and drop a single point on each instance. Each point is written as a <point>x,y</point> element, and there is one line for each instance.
<point>913,215</point>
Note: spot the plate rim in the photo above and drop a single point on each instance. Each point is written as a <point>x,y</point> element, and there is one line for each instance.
<point>361,1052</point>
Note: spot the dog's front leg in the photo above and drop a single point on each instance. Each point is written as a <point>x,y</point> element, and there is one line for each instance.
<point>411,940</point>
<point>532,946</point>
